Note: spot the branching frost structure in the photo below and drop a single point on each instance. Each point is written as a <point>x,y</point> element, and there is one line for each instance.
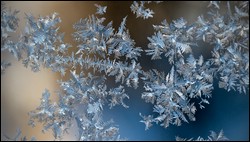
<point>113,53</point>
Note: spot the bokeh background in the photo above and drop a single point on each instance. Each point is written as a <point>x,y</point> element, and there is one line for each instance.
<point>21,88</point>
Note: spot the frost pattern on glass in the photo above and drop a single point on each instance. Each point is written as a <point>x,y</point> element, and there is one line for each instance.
<point>175,94</point>
<point>113,53</point>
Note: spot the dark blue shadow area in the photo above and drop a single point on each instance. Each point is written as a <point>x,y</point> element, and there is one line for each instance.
<point>227,110</point>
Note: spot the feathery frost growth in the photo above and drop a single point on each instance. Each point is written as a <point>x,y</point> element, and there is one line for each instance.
<point>176,95</point>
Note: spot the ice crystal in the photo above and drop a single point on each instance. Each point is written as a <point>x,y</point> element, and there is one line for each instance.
<point>175,95</point>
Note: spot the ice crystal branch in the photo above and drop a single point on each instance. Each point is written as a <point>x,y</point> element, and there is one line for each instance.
<point>81,102</point>
<point>98,38</point>
<point>139,9</point>
<point>213,137</point>
<point>9,24</point>
<point>173,40</point>
<point>100,9</point>
<point>43,44</point>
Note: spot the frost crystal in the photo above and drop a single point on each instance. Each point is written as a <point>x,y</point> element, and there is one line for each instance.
<point>100,9</point>
<point>175,95</point>
<point>140,11</point>
<point>213,137</point>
